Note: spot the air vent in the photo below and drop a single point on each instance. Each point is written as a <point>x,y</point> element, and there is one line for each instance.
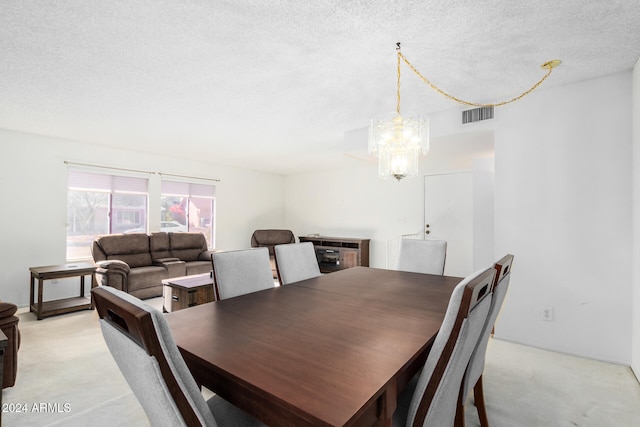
<point>477,114</point>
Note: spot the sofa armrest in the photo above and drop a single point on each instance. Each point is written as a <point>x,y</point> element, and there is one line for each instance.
<point>113,273</point>
<point>175,266</point>
<point>7,309</point>
<point>206,255</point>
<point>113,266</point>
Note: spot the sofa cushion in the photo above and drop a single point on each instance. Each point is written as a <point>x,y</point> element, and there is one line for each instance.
<point>159,245</point>
<point>187,246</point>
<point>130,248</point>
<point>146,277</point>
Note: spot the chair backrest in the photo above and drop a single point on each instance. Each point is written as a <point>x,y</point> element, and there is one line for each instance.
<point>436,394</point>
<point>422,256</point>
<point>500,287</point>
<point>296,262</point>
<point>241,272</point>
<point>142,345</point>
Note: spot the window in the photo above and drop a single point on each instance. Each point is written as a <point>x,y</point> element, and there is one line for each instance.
<point>101,203</point>
<point>187,206</point>
<point>128,217</point>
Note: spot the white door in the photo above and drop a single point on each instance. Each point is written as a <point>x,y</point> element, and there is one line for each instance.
<point>448,214</point>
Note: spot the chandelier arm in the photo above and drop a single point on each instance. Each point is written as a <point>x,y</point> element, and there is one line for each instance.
<point>461,101</point>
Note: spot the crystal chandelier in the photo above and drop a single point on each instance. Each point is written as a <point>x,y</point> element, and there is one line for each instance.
<point>398,140</point>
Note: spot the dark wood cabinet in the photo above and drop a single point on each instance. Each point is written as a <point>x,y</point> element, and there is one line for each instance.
<point>338,253</point>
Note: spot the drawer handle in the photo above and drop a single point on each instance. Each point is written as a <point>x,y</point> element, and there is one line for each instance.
<point>174,298</point>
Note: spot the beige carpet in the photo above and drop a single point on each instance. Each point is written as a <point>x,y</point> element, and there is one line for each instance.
<point>66,377</point>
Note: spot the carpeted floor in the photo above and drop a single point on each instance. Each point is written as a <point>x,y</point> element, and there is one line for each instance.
<point>66,377</point>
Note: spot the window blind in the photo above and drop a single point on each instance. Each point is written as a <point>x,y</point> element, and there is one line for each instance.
<point>187,189</point>
<point>92,181</point>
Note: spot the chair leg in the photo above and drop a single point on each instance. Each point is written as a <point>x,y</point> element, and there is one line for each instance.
<point>478,396</point>
<point>459,420</point>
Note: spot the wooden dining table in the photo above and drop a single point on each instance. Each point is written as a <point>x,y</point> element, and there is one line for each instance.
<point>334,350</point>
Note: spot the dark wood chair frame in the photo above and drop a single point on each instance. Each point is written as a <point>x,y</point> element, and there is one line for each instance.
<point>474,292</point>
<point>502,268</point>
<point>137,324</point>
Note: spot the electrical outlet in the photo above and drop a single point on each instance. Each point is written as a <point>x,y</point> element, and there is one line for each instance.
<point>54,280</point>
<point>547,314</point>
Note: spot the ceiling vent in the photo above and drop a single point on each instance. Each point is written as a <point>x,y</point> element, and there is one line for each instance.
<point>477,114</point>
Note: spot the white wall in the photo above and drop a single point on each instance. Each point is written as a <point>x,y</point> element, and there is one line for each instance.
<point>562,207</point>
<point>635,362</point>
<point>484,231</point>
<point>33,180</point>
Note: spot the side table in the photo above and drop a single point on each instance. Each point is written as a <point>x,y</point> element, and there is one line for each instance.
<point>65,305</point>
<point>187,291</point>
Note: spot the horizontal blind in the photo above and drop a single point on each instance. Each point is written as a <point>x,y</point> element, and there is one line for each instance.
<point>92,181</point>
<point>187,189</point>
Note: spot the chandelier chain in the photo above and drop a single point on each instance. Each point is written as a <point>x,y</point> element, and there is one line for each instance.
<point>398,105</point>
<point>461,101</point>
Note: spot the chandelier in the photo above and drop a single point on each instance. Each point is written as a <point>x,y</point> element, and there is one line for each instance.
<point>399,139</point>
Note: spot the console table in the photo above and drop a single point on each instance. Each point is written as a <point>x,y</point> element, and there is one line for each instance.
<point>65,305</point>
<point>338,253</point>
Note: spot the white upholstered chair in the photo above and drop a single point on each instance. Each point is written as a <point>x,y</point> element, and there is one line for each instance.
<point>473,376</point>
<point>422,256</point>
<point>430,399</point>
<point>296,262</point>
<point>142,345</point>
<point>241,272</point>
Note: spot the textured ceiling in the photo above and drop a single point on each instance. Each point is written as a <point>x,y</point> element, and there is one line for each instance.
<point>273,85</point>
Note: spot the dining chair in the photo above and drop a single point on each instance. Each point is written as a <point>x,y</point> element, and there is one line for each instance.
<point>141,343</point>
<point>430,398</point>
<point>422,256</point>
<point>473,376</point>
<point>296,262</point>
<point>241,272</point>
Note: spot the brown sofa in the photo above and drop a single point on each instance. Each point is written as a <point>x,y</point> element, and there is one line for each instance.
<point>137,263</point>
<point>270,238</point>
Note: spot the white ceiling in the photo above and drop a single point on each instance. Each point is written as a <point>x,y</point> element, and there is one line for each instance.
<point>273,85</point>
